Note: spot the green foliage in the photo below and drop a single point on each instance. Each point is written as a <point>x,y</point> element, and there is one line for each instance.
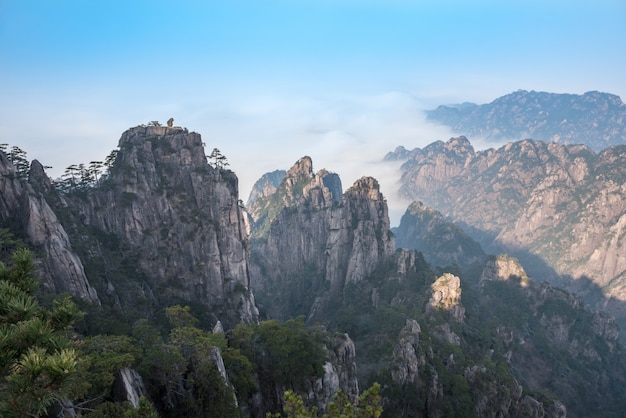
<point>288,352</point>
<point>210,397</point>
<point>217,159</point>
<point>180,371</point>
<point>108,409</point>
<point>20,161</point>
<point>102,356</point>
<point>8,242</point>
<point>368,406</point>
<point>180,316</point>
<point>37,359</point>
<point>240,372</point>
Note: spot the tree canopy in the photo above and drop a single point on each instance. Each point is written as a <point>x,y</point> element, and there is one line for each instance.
<point>37,357</point>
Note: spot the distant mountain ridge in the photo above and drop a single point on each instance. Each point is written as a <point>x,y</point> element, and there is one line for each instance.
<point>595,119</point>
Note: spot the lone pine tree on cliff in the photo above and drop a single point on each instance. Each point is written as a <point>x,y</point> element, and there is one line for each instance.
<point>217,159</point>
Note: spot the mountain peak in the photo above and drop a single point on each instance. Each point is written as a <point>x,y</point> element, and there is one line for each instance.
<point>302,167</point>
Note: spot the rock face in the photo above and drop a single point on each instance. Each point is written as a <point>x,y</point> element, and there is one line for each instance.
<point>441,242</point>
<point>558,208</point>
<point>574,333</point>
<point>22,206</point>
<point>503,268</point>
<point>406,364</point>
<point>446,294</point>
<point>595,119</point>
<point>264,187</point>
<point>308,231</point>
<point>128,386</point>
<point>178,216</point>
<point>413,371</point>
<point>339,372</point>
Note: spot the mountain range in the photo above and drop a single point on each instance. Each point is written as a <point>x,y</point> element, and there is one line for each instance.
<point>196,305</point>
<point>559,208</point>
<point>595,119</point>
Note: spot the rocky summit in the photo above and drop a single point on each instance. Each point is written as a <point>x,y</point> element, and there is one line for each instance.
<point>165,214</point>
<point>595,119</point>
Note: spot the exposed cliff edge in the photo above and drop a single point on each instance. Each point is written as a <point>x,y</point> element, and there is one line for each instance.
<point>27,210</point>
<point>167,217</point>
<point>306,229</point>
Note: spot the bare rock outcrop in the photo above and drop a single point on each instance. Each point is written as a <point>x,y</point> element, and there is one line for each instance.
<point>308,229</point>
<point>503,268</point>
<point>180,215</point>
<point>406,362</point>
<point>339,372</point>
<point>446,295</point>
<point>442,243</point>
<point>128,386</point>
<point>21,205</point>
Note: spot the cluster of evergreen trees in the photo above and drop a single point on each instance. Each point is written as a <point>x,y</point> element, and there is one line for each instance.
<point>19,159</point>
<point>45,361</point>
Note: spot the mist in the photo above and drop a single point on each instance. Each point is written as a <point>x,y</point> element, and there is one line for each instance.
<point>348,135</point>
<point>345,134</point>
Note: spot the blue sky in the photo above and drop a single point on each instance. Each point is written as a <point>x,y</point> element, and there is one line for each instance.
<point>267,82</point>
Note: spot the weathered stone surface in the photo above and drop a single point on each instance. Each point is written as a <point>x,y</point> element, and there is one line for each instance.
<point>503,267</point>
<point>338,240</point>
<point>264,187</point>
<point>61,268</point>
<point>446,294</point>
<point>180,215</point>
<point>405,362</point>
<point>128,386</point>
<point>339,372</point>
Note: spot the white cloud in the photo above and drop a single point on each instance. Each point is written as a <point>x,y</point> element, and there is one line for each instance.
<point>348,135</point>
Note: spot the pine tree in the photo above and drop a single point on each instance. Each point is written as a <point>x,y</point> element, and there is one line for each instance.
<point>218,160</point>
<point>20,161</point>
<point>36,356</point>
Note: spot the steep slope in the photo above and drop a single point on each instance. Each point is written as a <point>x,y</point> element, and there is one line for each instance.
<point>595,119</point>
<point>26,211</point>
<point>265,186</point>
<point>310,239</point>
<point>441,242</point>
<point>556,207</point>
<point>170,221</point>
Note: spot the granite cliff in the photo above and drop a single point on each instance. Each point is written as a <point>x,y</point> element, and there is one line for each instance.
<point>307,229</point>
<point>28,214</point>
<point>164,226</point>
<point>441,242</point>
